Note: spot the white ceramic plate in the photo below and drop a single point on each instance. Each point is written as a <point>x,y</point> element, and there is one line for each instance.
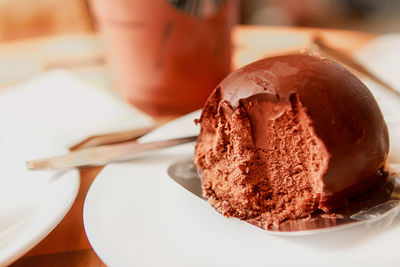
<point>32,203</point>
<point>135,215</point>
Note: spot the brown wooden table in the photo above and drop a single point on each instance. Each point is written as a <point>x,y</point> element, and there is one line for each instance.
<point>67,244</point>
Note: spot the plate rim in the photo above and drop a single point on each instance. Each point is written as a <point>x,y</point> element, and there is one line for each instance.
<point>8,257</point>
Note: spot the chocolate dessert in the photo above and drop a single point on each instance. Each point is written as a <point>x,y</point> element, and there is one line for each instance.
<point>288,136</point>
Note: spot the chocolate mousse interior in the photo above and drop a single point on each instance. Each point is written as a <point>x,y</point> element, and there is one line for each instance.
<point>276,165</point>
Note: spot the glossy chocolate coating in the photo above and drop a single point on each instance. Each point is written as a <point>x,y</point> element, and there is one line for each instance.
<point>344,115</point>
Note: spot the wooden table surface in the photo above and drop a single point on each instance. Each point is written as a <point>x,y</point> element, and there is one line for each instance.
<point>82,54</point>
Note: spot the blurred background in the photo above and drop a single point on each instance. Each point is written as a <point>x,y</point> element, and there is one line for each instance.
<point>37,18</point>
<point>378,16</point>
<point>41,35</point>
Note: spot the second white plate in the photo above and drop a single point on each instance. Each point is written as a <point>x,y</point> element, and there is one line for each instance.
<point>32,203</point>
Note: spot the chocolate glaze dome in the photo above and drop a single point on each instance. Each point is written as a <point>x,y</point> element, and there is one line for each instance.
<point>286,136</point>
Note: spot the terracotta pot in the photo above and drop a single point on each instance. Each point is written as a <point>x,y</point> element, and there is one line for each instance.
<point>166,59</point>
